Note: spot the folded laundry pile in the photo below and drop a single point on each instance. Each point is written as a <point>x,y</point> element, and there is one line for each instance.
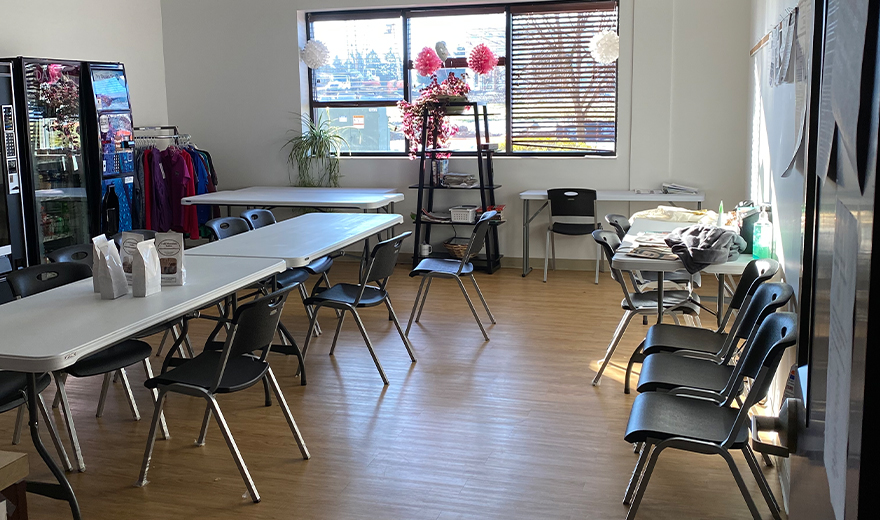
<point>700,246</point>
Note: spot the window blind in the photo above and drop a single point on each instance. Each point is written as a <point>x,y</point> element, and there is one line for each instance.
<point>562,100</point>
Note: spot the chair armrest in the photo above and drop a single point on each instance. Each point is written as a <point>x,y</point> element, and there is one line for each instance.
<point>698,393</point>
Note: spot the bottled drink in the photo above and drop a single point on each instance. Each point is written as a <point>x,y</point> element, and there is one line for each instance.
<point>762,236</point>
<point>110,212</point>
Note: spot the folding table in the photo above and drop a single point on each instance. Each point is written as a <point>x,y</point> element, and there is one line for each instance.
<point>284,196</point>
<point>601,196</point>
<point>625,262</point>
<point>52,330</point>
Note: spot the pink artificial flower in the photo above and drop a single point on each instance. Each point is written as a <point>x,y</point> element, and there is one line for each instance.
<point>482,60</point>
<point>427,62</point>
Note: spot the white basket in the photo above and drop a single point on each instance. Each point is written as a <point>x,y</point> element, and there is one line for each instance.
<point>463,214</point>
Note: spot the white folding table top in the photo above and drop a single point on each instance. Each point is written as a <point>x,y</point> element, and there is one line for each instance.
<point>626,195</point>
<point>52,330</point>
<point>302,239</point>
<point>356,198</point>
<point>630,263</point>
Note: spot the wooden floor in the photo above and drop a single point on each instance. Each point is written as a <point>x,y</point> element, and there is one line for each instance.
<point>506,429</point>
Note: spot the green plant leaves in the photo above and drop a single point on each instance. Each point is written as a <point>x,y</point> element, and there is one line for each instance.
<point>315,151</point>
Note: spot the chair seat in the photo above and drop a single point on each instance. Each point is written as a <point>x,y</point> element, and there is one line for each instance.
<point>666,337</point>
<point>665,371</point>
<point>118,356</point>
<point>346,293</point>
<point>321,265</point>
<point>201,371</point>
<point>292,276</point>
<point>661,416</point>
<point>13,383</point>
<point>441,265</point>
<point>566,228</point>
<point>648,300</point>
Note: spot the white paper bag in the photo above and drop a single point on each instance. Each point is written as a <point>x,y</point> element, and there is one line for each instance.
<point>171,259</point>
<point>146,270</point>
<point>97,243</point>
<point>128,250</point>
<point>109,275</point>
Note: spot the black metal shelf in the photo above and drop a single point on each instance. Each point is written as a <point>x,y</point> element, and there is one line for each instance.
<point>490,261</point>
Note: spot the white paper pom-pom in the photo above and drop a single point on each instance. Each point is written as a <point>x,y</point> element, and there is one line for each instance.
<point>605,47</point>
<point>315,54</point>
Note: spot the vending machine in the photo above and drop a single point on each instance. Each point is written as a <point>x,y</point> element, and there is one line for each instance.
<point>12,244</point>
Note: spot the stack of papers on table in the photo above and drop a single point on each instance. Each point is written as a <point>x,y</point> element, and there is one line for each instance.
<point>656,253</point>
<point>671,187</point>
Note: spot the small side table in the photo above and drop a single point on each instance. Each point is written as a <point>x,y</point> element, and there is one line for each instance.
<point>13,470</point>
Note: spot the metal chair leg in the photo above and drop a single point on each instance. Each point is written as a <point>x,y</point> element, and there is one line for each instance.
<point>762,482</point>
<point>57,401</point>
<point>482,299</point>
<point>151,439</point>
<point>339,321</point>
<point>553,251</point>
<point>101,400</point>
<point>203,432</point>
<point>424,298</point>
<point>598,262</point>
<point>53,434</point>
<point>287,341</point>
<point>618,334</point>
<point>637,473</point>
<point>357,319</point>
<point>412,314</point>
<point>162,344</point>
<point>309,333</point>
<point>643,483</point>
<point>310,310</point>
<point>294,429</point>
<point>233,448</point>
<point>403,336</point>
<point>148,370</point>
<point>741,485</point>
<point>267,395</point>
<point>19,423</point>
<point>471,305</point>
<point>546,253</point>
<point>637,357</point>
<point>131,403</point>
<point>68,419</point>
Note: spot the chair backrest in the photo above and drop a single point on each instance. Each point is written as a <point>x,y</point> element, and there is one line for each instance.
<point>609,242</point>
<point>756,272</point>
<point>777,333</point>
<point>619,223</point>
<point>572,202</point>
<point>383,258</point>
<point>253,328</point>
<point>81,253</point>
<point>33,280</point>
<point>226,227</point>
<point>258,217</point>
<point>478,237</point>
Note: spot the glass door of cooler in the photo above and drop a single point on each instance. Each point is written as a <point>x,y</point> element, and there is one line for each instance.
<point>58,172</point>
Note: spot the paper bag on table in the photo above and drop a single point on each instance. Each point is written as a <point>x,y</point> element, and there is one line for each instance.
<point>128,250</point>
<point>171,259</point>
<point>108,275</point>
<point>97,243</point>
<point>146,272</point>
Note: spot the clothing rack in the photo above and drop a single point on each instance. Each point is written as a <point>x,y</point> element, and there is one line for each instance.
<point>766,39</point>
<point>175,135</point>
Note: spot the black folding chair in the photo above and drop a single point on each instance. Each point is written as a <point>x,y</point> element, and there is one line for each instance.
<point>112,360</point>
<point>700,342</point>
<point>346,297</point>
<point>638,303</point>
<point>431,268</point>
<point>663,371</point>
<point>239,365</point>
<point>81,254</point>
<point>684,419</point>
<point>569,207</point>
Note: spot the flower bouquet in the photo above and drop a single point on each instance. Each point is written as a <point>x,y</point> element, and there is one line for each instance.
<point>433,99</point>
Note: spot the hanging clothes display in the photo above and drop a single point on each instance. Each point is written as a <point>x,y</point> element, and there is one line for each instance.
<point>163,178</point>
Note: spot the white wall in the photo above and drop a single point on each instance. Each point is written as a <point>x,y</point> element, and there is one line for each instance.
<point>127,31</point>
<point>682,90</point>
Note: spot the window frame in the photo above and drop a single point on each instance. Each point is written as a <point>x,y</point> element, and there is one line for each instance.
<point>428,11</point>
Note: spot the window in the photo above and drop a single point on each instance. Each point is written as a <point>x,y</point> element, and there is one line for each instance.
<point>546,96</point>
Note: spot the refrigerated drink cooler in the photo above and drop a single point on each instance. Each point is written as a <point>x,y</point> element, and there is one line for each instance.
<point>75,138</point>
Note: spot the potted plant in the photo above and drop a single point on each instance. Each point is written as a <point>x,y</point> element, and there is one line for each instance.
<point>315,150</point>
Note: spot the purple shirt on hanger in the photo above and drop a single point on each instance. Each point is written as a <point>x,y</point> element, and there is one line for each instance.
<point>177,175</point>
<point>160,207</point>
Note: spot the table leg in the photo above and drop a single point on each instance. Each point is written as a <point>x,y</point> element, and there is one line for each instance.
<point>61,490</point>
<point>391,229</point>
<point>720,310</point>
<point>660,297</point>
<point>525,258</point>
